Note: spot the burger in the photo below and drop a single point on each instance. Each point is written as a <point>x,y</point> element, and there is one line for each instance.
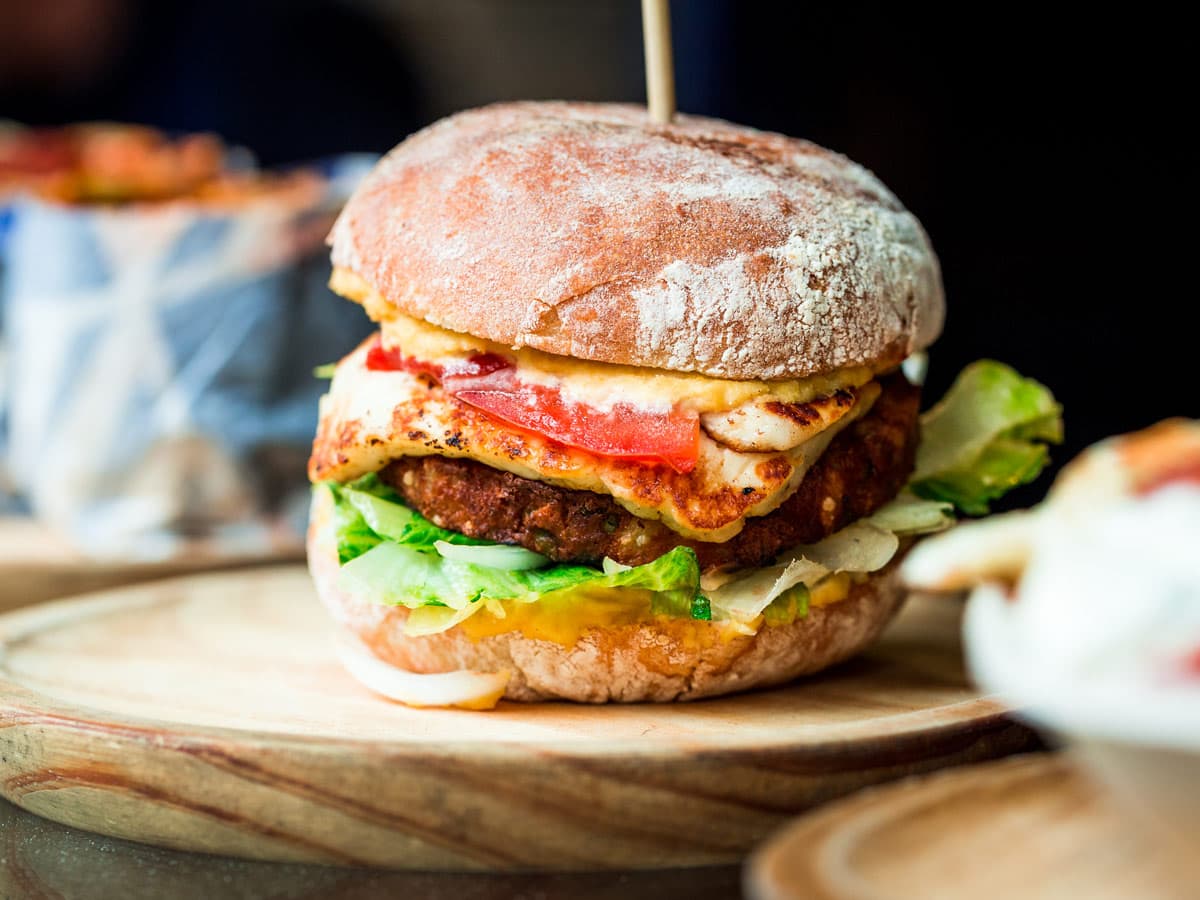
<point>641,419</point>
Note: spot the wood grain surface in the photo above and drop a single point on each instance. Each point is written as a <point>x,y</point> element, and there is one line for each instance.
<point>208,713</point>
<point>1029,827</point>
<point>37,564</point>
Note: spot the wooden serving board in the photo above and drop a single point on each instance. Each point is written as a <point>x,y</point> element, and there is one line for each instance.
<point>209,713</point>
<point>1028,827</point>
<point>37,564</point>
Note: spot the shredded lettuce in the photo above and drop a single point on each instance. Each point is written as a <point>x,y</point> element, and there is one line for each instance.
<point>987,436</point>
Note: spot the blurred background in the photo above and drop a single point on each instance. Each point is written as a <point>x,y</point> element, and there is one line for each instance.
<point>1041,151</point>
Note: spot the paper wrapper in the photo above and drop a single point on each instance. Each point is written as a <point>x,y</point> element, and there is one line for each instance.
<point>159,389</point>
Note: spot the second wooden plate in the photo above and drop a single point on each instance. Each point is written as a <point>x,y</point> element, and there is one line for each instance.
<point>1031,827</point>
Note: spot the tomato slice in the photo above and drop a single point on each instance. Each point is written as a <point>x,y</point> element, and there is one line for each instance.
<point>623,431</point>
<point>387,359</point>
<point>489,382</point>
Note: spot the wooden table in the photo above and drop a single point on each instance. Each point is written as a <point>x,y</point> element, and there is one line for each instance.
<point>41,859</point>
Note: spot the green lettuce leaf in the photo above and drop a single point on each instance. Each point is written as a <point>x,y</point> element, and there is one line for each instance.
<point>381,512</point>
<point>400,575</point>
<point>389,552</point>
<point>987,436</point>
<point>789,606</point>
<point>387,515</point>
<point>354,536</point>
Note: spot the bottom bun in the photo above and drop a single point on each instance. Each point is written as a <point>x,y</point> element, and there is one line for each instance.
<point>668,659</point>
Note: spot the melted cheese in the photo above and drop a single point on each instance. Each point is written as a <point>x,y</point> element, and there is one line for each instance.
<point>371,417</point>
<point>829,590</point>
<point>561,623</point>
<point>566,623</point>
<point>596,384</point>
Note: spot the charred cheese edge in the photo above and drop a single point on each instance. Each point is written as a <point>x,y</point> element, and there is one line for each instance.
<point>369,418</point>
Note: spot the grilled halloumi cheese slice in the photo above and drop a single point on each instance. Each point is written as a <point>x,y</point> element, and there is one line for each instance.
<point>768,425</point>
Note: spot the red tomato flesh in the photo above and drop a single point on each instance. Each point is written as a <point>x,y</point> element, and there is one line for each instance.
<point>489,382</point>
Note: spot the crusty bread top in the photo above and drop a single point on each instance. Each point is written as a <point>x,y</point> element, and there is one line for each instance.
<point>587,230</point>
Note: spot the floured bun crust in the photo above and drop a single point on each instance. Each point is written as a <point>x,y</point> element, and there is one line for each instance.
<point>589,231</point>
<point>671,659</point>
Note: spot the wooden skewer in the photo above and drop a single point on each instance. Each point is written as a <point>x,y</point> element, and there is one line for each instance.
<point>660,71</point>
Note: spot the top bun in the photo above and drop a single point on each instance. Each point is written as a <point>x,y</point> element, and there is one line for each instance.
<point>588,230</point>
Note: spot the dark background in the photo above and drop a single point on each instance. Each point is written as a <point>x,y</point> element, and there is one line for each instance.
<point>1043,152</point>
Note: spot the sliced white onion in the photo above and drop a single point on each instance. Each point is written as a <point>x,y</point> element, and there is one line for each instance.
<point>465,689</point>
<point>492,556</point>
<point>612,567</point>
